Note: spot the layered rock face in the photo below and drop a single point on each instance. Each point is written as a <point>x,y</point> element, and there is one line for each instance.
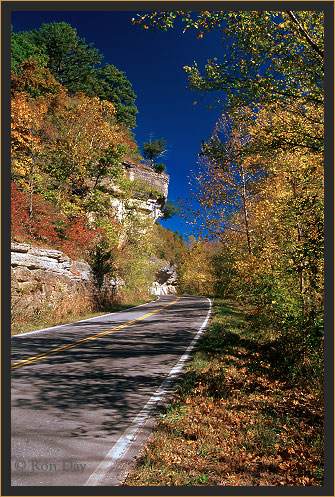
<point>149,196</point>
<point>166,280</point>
<point>45,280</point>
<point>151,205</point>
<point>159,181</point>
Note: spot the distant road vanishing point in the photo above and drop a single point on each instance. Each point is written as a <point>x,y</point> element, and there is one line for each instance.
<point>84,395</point>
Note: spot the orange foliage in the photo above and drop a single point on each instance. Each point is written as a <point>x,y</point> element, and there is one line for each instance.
<point>79,238</point>
<point>19,214</point>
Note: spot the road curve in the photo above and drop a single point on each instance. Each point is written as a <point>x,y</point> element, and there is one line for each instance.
<point>84,394</point>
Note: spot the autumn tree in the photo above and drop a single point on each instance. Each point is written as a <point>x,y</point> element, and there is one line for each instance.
<point>86,129</point>
<point>283,275</point>
<point>296,199</point>
<point>226,182</point>
<point>38,228</point>
<point>19,213</point>
<point>195,270</point>
<point>30,139</point>
<point>63,148</point>
<point>271,56</point>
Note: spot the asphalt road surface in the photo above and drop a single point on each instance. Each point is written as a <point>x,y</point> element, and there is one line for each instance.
<point>84,395</point>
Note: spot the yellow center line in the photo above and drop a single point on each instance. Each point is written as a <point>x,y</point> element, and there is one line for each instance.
<point>35,358</point>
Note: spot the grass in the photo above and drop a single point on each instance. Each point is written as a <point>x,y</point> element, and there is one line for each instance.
<point>235,419</point>
<point>75,313</point>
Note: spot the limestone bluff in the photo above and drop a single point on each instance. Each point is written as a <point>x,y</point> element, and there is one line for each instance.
<point>42,278</point>
<point>149,193</point>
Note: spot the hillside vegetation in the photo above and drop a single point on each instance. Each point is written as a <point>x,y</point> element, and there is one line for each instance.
<point>71,128</point>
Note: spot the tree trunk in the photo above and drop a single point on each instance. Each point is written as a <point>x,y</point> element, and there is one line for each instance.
<point>302,280</point>
<point>245,212</point>
<point>32,171</point>
<point>31,198</point>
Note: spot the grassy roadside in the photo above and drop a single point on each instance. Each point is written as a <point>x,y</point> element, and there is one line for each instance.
<point>235,419</point>
<point>76,314</point>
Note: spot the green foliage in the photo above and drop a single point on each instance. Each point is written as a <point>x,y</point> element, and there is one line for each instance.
<point>112,85</point>
<point>76,65</point>
<point>102,261</point>
<point>170,209</point>
<point>159,167</point>
<point>70,59</point>
<point>108,165</point>
<point>23,49</point>
<point>152,150</point>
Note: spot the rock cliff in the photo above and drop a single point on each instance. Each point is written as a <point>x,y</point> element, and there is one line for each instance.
<point>150,193</point>
<point>141,172</point>
<point>166,280</point>
<point>44,279</point>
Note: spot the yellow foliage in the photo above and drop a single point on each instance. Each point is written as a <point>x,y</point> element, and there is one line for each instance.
<point>195,271</point>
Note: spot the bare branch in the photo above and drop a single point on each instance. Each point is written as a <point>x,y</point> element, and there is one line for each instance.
<point>304,33</point>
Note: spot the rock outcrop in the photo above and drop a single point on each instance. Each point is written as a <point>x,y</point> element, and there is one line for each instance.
<point>150,197</point>
<point>45,280</point>
<point>141,172</point>
<point>166,280</point>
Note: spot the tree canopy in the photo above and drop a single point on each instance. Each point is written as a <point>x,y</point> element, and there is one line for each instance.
<point>23,49</point>
<point>77,66</point>
<point>258,189</point>
<point>269,57</point>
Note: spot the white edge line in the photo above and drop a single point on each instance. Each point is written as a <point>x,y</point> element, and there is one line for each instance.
<point>17,335</point>
<point>123,443</point>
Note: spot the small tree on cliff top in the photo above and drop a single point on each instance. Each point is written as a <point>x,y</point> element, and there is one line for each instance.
<point>152,150</point>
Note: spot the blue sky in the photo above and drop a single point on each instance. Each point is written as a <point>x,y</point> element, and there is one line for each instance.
<point>154,64</point>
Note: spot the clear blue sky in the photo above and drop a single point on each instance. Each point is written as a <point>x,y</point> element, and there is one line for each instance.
<point>154,64</point>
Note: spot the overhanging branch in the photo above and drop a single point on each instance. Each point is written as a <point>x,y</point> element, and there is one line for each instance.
<point>304,33</point>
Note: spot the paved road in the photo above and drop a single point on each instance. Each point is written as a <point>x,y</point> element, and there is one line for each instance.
<point>81,393</point>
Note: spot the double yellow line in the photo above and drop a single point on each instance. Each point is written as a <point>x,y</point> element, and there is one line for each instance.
<point>36,358</point>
